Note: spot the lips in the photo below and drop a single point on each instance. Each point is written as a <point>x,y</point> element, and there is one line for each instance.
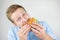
<point>25,22</point>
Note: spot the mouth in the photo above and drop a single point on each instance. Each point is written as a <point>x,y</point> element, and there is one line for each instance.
<point>26,22</point>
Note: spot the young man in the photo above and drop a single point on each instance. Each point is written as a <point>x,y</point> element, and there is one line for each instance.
<point>22,30</point>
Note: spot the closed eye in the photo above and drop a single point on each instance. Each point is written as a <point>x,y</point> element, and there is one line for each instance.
<point>19,19</point>
<point>23,14</point>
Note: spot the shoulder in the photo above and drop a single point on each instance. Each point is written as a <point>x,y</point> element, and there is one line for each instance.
<point>13,30</point>
<point>12,33</point>
<point>43,23</point>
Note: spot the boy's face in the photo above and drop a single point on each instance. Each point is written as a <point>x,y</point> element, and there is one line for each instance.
<point>20,17</point>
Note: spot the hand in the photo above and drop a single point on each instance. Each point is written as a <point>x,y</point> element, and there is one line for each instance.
<point>24,32</point>
<point>39,31</point>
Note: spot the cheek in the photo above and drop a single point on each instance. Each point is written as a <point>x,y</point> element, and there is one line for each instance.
<point>19,24</point>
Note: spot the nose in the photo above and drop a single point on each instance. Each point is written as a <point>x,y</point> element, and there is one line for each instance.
<point>24,20</point>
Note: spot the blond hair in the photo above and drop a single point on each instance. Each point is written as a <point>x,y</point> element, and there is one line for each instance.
<point>12,9</point>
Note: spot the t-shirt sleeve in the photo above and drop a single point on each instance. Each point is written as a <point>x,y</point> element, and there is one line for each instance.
<point>11,35</point>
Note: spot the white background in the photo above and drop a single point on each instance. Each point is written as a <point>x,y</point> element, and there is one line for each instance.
<point>43,10</point>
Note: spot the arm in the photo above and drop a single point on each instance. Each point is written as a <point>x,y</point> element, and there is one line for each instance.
<point>41,31</point>
<point>49,31</point>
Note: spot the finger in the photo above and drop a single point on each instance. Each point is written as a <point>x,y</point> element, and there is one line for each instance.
<point>24,28</point>
<point>37,33</point>
<point>36,27</point>
<point>40,26</point>
<point>27,30</point>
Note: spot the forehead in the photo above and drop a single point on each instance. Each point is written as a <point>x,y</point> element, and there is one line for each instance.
<point>17,13</point>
